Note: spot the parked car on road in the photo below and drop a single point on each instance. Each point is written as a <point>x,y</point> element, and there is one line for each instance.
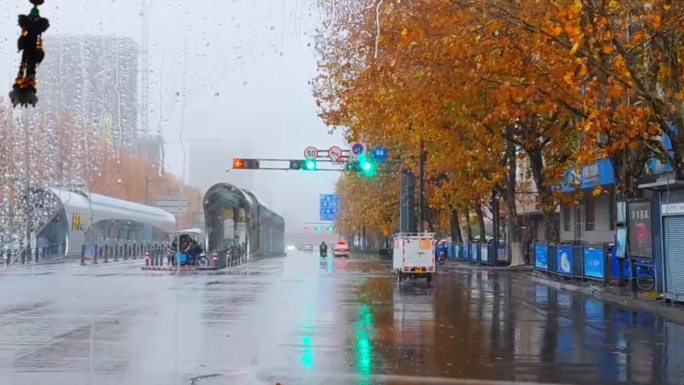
<point>341,249</point>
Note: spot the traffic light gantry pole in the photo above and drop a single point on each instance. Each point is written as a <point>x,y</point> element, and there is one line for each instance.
<point>355,159</point>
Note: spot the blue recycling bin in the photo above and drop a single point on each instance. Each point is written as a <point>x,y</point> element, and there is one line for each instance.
<point>181,258</point>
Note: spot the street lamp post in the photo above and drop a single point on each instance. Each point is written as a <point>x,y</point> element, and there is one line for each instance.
<point>147,188</point>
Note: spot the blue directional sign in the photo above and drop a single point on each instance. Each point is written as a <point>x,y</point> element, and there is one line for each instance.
<point>358,148</point>
<point>330,205</point>
<point>380,153</point>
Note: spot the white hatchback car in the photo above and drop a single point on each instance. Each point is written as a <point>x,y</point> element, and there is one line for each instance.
<point>341,249</point>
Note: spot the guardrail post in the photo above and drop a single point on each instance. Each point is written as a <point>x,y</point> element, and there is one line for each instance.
<point>607,263</point>
<point>552,258</point>
<point>83,253</point>
<point>156,255</point>
<point>98,250</point>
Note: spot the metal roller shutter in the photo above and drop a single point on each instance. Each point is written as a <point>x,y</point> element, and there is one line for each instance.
<point>674,255</point>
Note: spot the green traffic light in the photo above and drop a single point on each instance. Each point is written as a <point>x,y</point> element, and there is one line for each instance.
<point>318,228</point>
<point>310,165</point>
<point>367,167</point>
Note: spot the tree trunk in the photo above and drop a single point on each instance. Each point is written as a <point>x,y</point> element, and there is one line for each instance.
<point>628,166</point>
<point>509,197</point>
<point>481,223</point>
<point>455,226</point>
<point>469,229</point>
<point>545,194</point>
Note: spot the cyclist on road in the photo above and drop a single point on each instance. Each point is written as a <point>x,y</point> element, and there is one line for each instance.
<point>323,249</point>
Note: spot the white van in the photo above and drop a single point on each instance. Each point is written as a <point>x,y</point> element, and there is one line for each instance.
<point>414,255</point>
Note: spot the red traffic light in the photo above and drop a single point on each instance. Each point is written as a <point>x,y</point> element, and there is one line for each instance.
<point>239,163</point>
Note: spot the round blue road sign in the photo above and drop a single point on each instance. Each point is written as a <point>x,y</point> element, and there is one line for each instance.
<point>380,153</point>
<point>358,148</point>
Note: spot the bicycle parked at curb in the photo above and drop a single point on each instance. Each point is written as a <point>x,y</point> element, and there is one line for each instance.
<point>645,276</point>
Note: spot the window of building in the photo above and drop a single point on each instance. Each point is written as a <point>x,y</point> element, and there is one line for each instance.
<point>589,212</point>
<point>567,223</point>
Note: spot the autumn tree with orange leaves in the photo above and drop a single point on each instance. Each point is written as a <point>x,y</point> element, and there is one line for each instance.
<point>485,84</point>
<point>61,151</point>
<point>370,202</point>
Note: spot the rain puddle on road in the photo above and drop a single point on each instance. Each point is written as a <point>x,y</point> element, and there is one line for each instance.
<point>499,326</point>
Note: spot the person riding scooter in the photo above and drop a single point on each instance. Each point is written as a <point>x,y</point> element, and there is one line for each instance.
<point>441,251</point>
<point>323,248</point>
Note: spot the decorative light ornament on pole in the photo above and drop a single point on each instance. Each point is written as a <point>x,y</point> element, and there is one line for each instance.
<point>30,44</point>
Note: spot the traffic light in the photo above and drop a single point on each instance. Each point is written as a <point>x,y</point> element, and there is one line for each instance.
<point>245,164</point>
<point>366,166</point>
<point>295,165</point>
<point>331,229</point>
<point>310,165</point>
<point>318,228</point>
<point>352,166</point>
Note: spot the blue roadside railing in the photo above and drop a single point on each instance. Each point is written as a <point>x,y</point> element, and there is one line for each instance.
<point>578,261</point>
<point>586,262</point>
<point>480,253</point>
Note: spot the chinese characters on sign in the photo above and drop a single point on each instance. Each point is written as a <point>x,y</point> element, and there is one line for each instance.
<point>329,206</point>
<point>590,174</point>
<point>76,222</point>
<point>640,241</point>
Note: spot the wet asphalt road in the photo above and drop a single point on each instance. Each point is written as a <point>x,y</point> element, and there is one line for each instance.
<point>296,320</point>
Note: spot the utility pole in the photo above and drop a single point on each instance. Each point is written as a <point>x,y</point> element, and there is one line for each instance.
<point>27,186</point>
<point>495,224</point>
<point>407,213</point>
<point>421,188</point>
<point>147,188</point>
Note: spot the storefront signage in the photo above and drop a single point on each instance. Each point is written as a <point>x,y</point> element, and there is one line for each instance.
<point>673,209</point>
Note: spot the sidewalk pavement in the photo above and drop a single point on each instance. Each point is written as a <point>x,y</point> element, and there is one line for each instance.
<point>621,295</point>
<point>71,262</point>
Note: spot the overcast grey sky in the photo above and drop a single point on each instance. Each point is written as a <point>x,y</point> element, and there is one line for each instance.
<point>236,70</point>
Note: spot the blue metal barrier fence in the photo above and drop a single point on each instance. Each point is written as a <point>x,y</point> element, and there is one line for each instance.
<point>574,261</point>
